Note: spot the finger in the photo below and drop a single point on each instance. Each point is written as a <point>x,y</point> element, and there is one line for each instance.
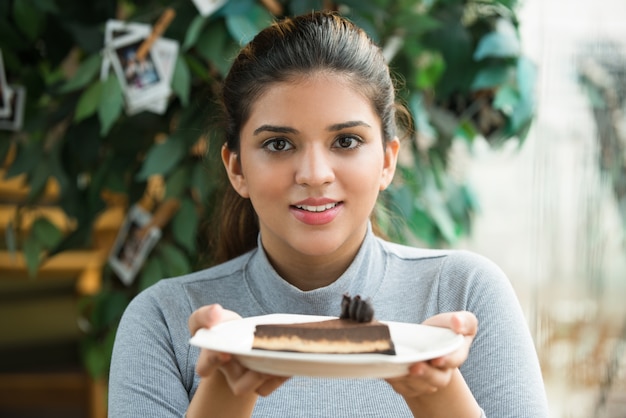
<point>209,361</point>
<point>247,382</point>
<point>270,385</point>
<point>430,376</point>
<point>204,317</point>
<point>410,387</point>
<point>463,322</point>
<point>209,316</point>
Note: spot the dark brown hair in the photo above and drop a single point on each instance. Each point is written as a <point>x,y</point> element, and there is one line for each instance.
<point>286,50</point>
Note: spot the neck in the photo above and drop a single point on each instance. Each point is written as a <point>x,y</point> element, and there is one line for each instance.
<point>309,274</point>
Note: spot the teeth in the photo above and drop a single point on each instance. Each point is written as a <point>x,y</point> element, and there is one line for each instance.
<point>320,208</point>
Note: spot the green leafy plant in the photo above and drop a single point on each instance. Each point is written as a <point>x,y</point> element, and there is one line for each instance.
<point>463,77</point>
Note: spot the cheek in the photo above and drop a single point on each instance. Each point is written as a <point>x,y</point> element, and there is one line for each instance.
<point>265,182</point>
<point>366,173</point>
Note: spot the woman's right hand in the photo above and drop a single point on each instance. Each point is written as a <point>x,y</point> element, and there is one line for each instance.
<point>241,380</point>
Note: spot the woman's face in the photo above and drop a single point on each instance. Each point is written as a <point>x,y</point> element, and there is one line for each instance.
<point>312,162</point>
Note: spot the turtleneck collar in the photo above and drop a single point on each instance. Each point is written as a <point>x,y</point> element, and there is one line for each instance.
<point>275,295</point>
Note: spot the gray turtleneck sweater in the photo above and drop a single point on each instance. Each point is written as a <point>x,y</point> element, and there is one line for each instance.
<point>152,371</point>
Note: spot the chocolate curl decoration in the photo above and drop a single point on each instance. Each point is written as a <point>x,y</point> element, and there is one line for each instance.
<point>356,309</point>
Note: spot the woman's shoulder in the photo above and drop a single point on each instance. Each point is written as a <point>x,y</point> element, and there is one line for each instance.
<point>172,290</point>
<point>456,256</point>
<point>449,264</point>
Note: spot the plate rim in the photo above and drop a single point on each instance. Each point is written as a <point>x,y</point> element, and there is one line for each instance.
<point>321,358</point>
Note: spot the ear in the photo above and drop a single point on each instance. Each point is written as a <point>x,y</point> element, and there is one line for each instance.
<point>232,163</point>
<point>389,165</point>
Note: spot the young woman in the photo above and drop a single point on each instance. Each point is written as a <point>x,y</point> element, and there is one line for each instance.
<point>310,143</point>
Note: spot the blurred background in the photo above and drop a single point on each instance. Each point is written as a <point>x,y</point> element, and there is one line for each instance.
<point>520,154</point>
<point>553,211</point>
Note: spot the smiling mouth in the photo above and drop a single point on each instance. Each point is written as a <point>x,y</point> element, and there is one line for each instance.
<point>320,208</point>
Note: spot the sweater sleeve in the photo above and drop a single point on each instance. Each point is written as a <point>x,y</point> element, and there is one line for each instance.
<point>146,377</point>
<point>502,369</point>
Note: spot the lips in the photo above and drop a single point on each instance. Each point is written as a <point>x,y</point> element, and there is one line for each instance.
<point>316,208</point>
<point>316,211</point>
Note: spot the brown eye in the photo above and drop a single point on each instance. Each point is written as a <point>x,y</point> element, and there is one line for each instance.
<point>277,144</point>
<point>348,142</point>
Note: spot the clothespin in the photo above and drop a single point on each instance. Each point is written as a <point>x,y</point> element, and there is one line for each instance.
<point>158,29</point>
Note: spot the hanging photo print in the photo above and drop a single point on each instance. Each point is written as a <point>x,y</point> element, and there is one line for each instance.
<point>5,92</point>
<point>17,98</point>
<point>165,52</point>
<point>134,242</point>
<point>208,7</point>
<point>141,77</point>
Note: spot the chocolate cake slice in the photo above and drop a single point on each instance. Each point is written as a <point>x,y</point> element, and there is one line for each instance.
<point>354,332</point>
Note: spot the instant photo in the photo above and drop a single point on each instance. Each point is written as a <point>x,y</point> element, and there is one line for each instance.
<point>142,80</point>
<point>115,29</point>
<point>208,7</point>
<point>165,49</point>
<point>5,92</point>
<point>134,242</point>
<point>17,98</point>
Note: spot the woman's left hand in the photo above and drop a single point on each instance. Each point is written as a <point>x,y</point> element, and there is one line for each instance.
<point>428,377</point>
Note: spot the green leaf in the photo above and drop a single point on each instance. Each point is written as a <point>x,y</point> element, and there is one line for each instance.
<point>216,46</point>
<point>193,32</point>
<point>32,254</point>
<point>47,6</point>
<point>28,156</point>
<point>28,18</point>
<point>177,183</point>
<point>185,225</point>
<point>108,309</point>
<point>200,182</point>
<point>38,178</point>
<point>421,117</point>
<point>197,68</point>
<point>490,77</point>
<point>151,273</point>
<point>422,226</point>
<point>466,130</point>
<point>46,232</point>
<point>97,354</point>
<point>174,260</point>
<point>502,43</point>
<point>506,99</point>
<point>244,27</point>
<point>5,146</point>
<point>241,28</point>
<point>181,81</point>
<point>525,108</point>
<point>430,67</point>
<point>84,74</point>
<point>161,158</point>
<point>88,102</point>
<point>111,104</point>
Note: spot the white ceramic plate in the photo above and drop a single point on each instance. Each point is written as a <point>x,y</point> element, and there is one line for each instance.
<point>413,343</point>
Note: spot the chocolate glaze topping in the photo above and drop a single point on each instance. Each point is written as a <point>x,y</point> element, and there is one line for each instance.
<point>356,309</point>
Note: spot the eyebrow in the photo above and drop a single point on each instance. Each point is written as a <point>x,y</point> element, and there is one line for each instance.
<point>273,128</point>
<point>288,130</point>
<point>349,124</point>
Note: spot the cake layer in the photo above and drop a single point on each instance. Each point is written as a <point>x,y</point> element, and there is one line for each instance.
<point>330,336</point>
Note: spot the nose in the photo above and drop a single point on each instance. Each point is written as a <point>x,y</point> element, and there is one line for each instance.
<point>315,167</point>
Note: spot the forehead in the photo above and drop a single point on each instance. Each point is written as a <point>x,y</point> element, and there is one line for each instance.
<point>314,96</point>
